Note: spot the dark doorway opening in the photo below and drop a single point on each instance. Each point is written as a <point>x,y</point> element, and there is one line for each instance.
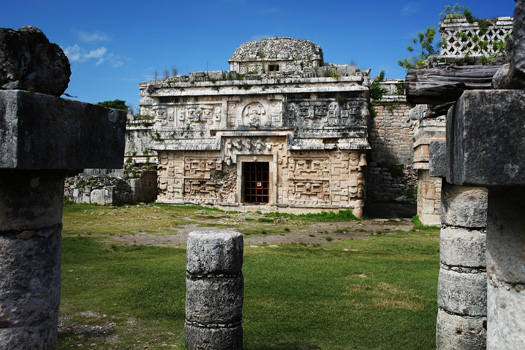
<point>256,177</point>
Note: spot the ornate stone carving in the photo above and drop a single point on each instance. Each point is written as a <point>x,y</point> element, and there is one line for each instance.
<point>254,115</point>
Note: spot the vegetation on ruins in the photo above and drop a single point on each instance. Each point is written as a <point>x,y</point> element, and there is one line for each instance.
<point>423,47</point>
<point>115,104</point>
<point>376,90</point>
<point>364,290</point>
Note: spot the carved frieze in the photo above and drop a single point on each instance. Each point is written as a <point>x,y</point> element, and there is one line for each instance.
<point>307,168</point>
<point>317,114</point>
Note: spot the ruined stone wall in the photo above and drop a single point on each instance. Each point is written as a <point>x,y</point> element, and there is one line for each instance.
<point>390,172</point>
<point>102,190</point>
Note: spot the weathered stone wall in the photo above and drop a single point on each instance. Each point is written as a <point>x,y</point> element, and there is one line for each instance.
<point>429,198</point>
<point>390,173</point>
<point>95,189</point>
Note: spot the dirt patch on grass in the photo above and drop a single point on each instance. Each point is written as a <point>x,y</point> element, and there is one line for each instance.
<point>318,233</point>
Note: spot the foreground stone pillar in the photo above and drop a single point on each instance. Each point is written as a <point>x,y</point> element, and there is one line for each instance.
<point>462,292</point>
<point>30,226</point>
<point>485,143</point>
<point>214,291</point>
<point>462,285</point>
<point>40,137</point>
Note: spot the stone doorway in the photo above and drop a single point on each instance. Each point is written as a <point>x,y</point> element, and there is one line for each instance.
<point>256,182</point>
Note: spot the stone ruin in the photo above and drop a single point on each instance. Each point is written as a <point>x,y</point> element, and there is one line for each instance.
<point>481,279</point>
<point>33,166</point>
<point>282,128</point>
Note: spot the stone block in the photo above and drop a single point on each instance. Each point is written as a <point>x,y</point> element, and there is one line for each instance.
<point>464,206</point>
<point>214,252</point>
<point>505,326</point>
<point>462,247</point>
<point>486,138</point>
<point>40,131</point>
<point>214,300</point>
<point>455,332</point>
<point>505,238</point>
<point>437,161</point>
<point>30,200</point>
<point>201,338</point>
<point>28,61</point>
<point>462,293</point>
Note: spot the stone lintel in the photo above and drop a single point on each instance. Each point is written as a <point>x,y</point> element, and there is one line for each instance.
<point>39,131</point>
<point>486,139</point>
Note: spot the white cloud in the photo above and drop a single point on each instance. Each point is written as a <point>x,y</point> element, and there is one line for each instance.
<point>77,54</point>
<point>93,37</point>
<point>410,9</point>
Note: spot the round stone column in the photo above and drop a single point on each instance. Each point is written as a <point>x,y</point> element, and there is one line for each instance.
<point>462,286</point>
<point>214,291</point>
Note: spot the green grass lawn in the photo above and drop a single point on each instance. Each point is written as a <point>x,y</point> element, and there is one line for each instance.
<point>372,293</point>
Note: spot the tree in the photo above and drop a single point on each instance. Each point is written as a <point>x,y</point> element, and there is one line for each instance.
<point>115,104</point>
<point>423,46</point>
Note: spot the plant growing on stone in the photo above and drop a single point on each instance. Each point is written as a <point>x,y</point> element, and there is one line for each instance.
<point>376,90</point>
<point>422,47</point>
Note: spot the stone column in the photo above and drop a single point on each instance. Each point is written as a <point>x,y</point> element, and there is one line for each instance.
<point>30,225</point>
<point>40,137</point>
<point>214,291</point>
<point>462,285</point>
<point>485,143</point>
<point>462,292</point>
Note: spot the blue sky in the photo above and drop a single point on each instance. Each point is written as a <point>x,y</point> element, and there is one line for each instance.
<point>114,45</point>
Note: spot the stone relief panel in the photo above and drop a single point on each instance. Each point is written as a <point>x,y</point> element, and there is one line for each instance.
<point>307,168</point>
<point>201,167</point>
<point>317,190</point>
<point>208,180</point>
<point>189,120</point>
<point>169,169</point>
<point>317,114</point>
<point>254,115</point>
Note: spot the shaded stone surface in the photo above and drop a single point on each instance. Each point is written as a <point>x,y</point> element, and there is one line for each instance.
<point>30,200</point>
<point>215,300</point>
<point>200,338</point>
<point>455,332</point>
<point>40,131</point>
<point>437,163</point>
<point>486,138</point>
<point>28,61</point>
<point>505,238</point>
<point>30,288</point>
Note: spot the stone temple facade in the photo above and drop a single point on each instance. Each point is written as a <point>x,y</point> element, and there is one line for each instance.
<point>281,131</point>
